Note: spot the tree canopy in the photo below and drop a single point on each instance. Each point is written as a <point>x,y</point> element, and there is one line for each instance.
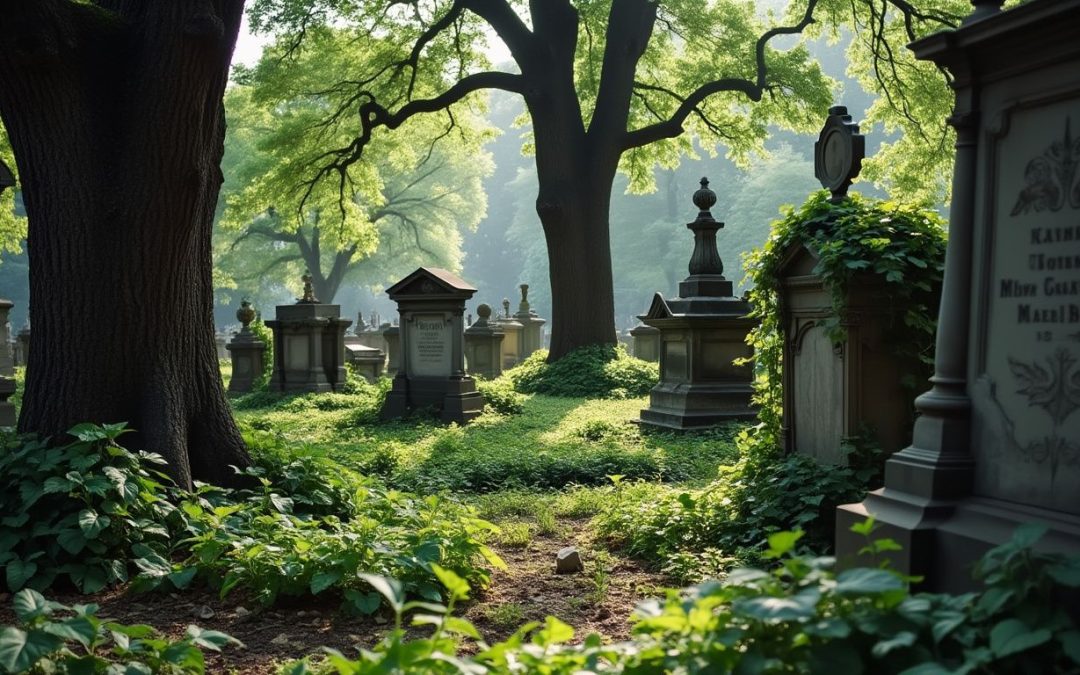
<point>403,205</point>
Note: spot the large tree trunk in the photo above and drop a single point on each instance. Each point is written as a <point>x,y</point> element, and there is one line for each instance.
<point>116,119</point>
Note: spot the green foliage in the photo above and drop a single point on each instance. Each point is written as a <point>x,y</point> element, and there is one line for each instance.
<point>726,521</point>
<point>596,371</point>
<point>55,638</point>
<point>799,617</point>
<point>84,511</point>
<point>263,332</point>
<point>857,241</point>
<point>501,396</point>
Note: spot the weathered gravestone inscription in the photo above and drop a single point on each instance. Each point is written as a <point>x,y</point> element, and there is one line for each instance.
<point>431,303</point>
<point>998,441</point>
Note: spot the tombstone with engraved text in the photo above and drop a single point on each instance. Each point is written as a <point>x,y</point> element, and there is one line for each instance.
<point>431,373</point>
<point>997,441</point>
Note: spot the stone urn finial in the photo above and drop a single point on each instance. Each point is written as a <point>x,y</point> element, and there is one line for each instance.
<point>704,199</point>
<point>706,259</point>
<point>483,313</point>
<point>523,306</point>
<point>506,307</point>
<point>245,315</point>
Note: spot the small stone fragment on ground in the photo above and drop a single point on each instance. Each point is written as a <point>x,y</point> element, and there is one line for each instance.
<point>202,612</point>
<point>568,561</point>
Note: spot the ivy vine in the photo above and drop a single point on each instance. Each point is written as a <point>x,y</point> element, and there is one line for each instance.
<point>857,240</point>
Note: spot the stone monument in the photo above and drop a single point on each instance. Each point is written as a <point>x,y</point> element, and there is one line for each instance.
<point>702,332</point>
<point>309,345</point>
<point>483,345</point>
<point>532,333</point>
<point>645,343</point>
<point>836,389</point>
<point>431,305</point>
<point>246,351</point>
<point>997,442</point>
<point>392,337</point>
<point>514,333</point>
<point>23,338</point>
<point>7,369</point>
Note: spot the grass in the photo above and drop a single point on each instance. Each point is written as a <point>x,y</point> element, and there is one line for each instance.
<point>553,444</point>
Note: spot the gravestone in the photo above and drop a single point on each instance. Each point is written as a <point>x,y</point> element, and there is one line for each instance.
<point>997,441</point>
<point>483,345</point>
<point>221,340</point>
<point>835,389</point>
<point>702,333</point>
<point>431,306</point>
<point>246,351</point>
<point>513,342</point>
<point>392,337</point>
<point>7,369</point>
<point>23,338</point>
<point>367,361</point>
<point>532,332</point>
<point>309,345</point>
<point>646,343</point>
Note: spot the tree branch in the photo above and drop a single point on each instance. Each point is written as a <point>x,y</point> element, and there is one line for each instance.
<point>753,90</point>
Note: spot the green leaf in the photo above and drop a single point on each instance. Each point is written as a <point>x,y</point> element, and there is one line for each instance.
<point>55,484</point>
<point>391,589</point>
<point>20,650</point>
<point>364,603</point>
<point>866,581</point>
<point>1013,635</point>
<point>800,606</point>
<point>88,432</point>
<point>458,587</point>
<point>864,528</point>
<point>324,580</point>
<point>29,604</point>
<point>181,579</point>
<point>71,540</point>
<point>1066,572</point>
<point>210,639</point>
<point>783,542</point>
<point>77,628</point>
<point>902,639</point>
<point>19,572</point>
<point>554,632</point>
<point>92,523</point>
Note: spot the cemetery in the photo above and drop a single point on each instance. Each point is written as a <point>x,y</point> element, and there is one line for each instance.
<point>705,337</point>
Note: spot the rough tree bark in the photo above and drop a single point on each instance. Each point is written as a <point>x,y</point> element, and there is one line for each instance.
<point>115,115</point>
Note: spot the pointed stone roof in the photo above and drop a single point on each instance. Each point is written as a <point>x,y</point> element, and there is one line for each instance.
<point>431,281</point>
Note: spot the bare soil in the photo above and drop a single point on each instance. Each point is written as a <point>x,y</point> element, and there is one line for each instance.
<point>591,601</point>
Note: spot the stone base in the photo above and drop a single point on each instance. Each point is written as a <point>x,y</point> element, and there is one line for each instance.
<point>698,406</point>
<point>8,417</point>
<point>456,399</point>
<point>942,540</point>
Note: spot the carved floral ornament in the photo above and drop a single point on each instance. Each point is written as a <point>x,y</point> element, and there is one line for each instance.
<point>1052,177</point>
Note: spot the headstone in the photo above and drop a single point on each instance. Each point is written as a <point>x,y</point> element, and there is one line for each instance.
<point>23,339</point>
<point>702,333</point>
<point>835,390</point>
<point>221,340</point>
<point>431,304</point>
<point>645,343</point>
<point>532,333</point>
<point>7,370</point>
<point>367,361</point>
<point>246,351</point>
<point>997,440</point>
<point>309,345</point>
<point>392,337</point>
<point>514,336</point>
<point>483,345</point>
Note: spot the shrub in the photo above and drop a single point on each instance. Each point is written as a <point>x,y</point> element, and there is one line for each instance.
<point>501,396</point>
<point>597,371</point>
<point>83,512</point>
<point>800,617</point>
<point>55,638</point>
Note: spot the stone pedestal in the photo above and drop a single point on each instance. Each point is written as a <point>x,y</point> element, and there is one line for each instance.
<point>23,338</point>
<point>309,346</point>
<point>512,343</point>
<point>483,346</point>
<point>701,333</point>
<point>392,337</point>
<point>431,303</point>
<point>998,434</point>
<point>646,343</point>
<point>532,331</point>
<point>8,417</point>
<point>833,391</point>
<point>246,352</point>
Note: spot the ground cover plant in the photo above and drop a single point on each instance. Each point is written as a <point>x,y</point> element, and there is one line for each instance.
<point>596,371</point>
<point>55,638</point>
<point>798,616</point>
